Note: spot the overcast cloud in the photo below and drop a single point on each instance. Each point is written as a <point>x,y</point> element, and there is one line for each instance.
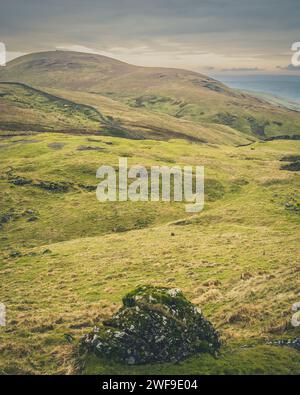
<point>253,36</point>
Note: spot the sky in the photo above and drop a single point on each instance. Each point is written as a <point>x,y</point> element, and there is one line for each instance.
<point>212,36</point>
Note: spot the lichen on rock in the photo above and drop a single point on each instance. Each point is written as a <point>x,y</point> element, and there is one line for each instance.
<point>155,324</point>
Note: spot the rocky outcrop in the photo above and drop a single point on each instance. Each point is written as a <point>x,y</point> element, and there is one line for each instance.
<point>154,325</point>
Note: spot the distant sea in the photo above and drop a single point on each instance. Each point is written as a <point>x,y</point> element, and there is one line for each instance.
<point>284,86</point>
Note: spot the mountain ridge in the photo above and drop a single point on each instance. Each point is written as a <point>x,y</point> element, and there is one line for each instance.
<point>32,110</point>
<point>181,94</point>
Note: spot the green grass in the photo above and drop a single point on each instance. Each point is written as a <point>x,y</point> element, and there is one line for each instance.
<point>67,260</point>
<point>183,95</point>
<point>239,361</point>
<point>237,259</point>
<point>247,119</point>
<point>25,107</point>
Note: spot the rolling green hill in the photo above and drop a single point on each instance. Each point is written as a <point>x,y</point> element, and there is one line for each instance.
<point>24,108</point>
<point>179,93</point>
<point>69,259</point>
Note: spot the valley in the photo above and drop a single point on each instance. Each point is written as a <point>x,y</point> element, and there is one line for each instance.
<point>67,260</point>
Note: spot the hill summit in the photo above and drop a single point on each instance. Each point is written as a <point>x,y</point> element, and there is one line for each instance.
<point>182,94</point>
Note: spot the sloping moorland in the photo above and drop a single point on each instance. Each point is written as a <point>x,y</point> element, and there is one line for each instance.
<point>180,93</point>
<point>67,260</point>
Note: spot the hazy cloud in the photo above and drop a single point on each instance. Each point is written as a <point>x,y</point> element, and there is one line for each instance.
<point>290,67</point>
<point>192,33</point>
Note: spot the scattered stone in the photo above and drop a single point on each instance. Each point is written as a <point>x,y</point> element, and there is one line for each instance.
<point>94,140</point>
<point>294,343</point>
<point>21,181</point>
<point>155,324</point>
<point>293,166</point>
<point>15,254</point>
<point>89,188</point>
<point>53,186</point>
<point>15,214</point>
<point>89,148</point>
<point>56,146</point>
<point>292,207</point>
<point>49,185</point>
<point>290,158</point>
<point>33,218</point>
<point>292,202</point>
<point>6,217</point>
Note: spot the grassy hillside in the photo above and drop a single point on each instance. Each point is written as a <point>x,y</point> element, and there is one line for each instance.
<point>157,125</point>
<point>179,93</point>
<point>24,108</point>
<point>277,100</point>
<point>67,259</point>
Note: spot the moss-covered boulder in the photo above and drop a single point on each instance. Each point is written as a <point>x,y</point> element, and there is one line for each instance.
<point>154,325</point>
